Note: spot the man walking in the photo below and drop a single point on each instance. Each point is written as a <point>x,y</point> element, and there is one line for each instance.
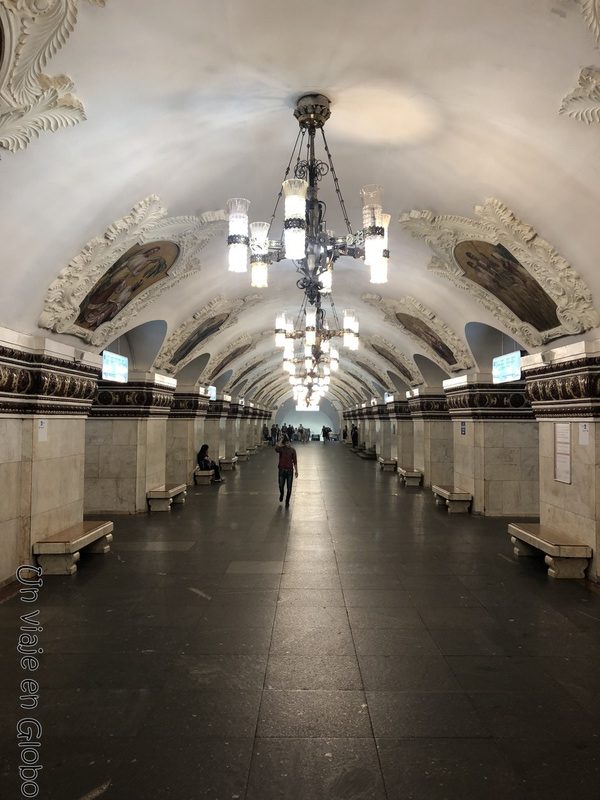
<point>288,466</point>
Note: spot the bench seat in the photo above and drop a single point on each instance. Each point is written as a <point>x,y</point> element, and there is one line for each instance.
<point>369,454</point>
<point>58,554</point>
<point>227,464</point>
<point>565,556</point>
<point>388,464</point>
<point>161,497</point>
<point>410,476</point>
<point>242,455</point>
<point>203,477</point>
<point>457,501</point>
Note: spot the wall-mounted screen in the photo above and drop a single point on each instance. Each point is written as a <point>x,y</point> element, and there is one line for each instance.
<point>388,398</point>
<point>212,392</point>
<point>115,367</point>
<point>507,368</point>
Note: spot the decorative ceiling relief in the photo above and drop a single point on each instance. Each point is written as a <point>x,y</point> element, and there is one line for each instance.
<point>251,370</point>
<point>514,273</point>
<point>31,102</point>
<point>116,275</point>
<point>403,365</point>
<point>189,340</point>
<point>219,362</point>
<point>364,363</point>
<point>583,103</point>
<point>432,334</point>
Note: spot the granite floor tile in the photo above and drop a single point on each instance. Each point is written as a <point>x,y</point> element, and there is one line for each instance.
<point>313,713</point>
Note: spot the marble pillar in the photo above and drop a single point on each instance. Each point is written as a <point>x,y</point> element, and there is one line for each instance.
<point>232,429</point>
<point>433,435</point>
<point>383,432</point>
<point>215,425</point>
<point>185,433</point>
<point>495,445</point>
<point>46,391</point>
<point>401,431</point>
<point>563,386</point>
<point>126,443</point>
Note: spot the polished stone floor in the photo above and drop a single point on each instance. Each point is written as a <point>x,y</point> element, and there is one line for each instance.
<point>360,645</point>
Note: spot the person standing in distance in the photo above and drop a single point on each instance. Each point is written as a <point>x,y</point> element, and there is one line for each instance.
<point>288,467</point>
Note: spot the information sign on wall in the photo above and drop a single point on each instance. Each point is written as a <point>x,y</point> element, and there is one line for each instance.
<point>562,452</point>
<point>463,428</point>
<point>506,368</point>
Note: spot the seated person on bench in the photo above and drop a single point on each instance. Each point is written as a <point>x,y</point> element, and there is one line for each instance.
<point>206,463</point>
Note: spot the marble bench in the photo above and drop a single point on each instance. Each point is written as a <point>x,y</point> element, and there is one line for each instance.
<point>242,455</point>
<point>410,476</point>
<point>456,500</point>
<point>161,497</point>
<point>369,454</point>
<point>58,554</point>
<point>203,477</point>
<point>227,464</point>
<point>565,556</point>
<point>252,450</point>
<point>387,464</point>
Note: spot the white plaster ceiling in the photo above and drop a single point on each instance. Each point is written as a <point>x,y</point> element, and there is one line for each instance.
<point>444,103</point>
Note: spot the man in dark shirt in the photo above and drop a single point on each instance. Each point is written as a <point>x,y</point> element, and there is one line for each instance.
<point>288,466</point>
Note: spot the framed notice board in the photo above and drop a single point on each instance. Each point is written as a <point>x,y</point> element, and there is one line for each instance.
<point>562,452</point>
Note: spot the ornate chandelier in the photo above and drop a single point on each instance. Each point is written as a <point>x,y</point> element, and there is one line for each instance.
<point>314,249</point>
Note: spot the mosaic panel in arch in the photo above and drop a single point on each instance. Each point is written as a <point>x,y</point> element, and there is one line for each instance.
<point>389,356</point>
<point>229,358</point>
<point>140,267</point>
<point>422,331</point>
<point>496,270</point>
<point>202,332</point>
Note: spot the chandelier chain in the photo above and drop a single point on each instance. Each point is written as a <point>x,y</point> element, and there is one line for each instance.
<point>336,183</point>
<point>287,172</point>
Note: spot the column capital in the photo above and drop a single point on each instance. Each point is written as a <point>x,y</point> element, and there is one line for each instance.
<point>475,397</point>
<point>147,394</point>
<point>428,403</point>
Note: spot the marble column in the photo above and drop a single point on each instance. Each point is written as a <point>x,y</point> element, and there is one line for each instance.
<point>563,386</point>
<point>126,443</point>
<point>185,433</point>
<point>495,445</point>
<point>383,431</point>
<point>46,391</point>
<point>433,435</point>
<point>214,426</point>
<point>401,432</point>
<point>244,434</point>
<point>232,428</point>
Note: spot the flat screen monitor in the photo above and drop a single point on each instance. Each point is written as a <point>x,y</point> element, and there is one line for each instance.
<point>115,367</point>
<point>212,392</point>
<point>388,397</point>
<point>507,368</point>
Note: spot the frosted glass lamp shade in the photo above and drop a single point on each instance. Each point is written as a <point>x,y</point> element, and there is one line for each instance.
<point>294,234</point>
<point>311,318</point>
<point>238,238</point>
<point>237,257</point>
<point>259,274</point>
<point>326,279</point>
<point>379,270</point>
<point>310,337</point>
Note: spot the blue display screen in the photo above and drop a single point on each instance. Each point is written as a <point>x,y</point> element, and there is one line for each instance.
<point>507,368</point>
<point>115,367</point>
<point>212,392</point>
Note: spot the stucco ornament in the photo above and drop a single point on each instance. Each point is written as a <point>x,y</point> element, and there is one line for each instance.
<point>378,343</point>
<point>146,222</point>
<point>583,103</point>
<point>225,358</point>
<point>218,305</point>
<point>250,369</point>
<point>496,224</point>
<point>591,12</point>
<point>408,305</point>
<point>32,102</point>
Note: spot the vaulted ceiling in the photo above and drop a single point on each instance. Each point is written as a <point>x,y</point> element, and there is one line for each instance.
<point>454,107</point>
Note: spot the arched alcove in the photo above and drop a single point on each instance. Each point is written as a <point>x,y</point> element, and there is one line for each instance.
<point>222,380</point>
<point>141,344</point>
<point>398,383</point>
<point>192,371</point>
<point>433,374</point>
<point>487,342</point>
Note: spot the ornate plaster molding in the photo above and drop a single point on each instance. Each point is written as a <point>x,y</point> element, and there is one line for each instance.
<point>146,222</point>
<point>591,11</point>
<point>218,358</point>
<point>370,369</point>
<point>488,402</point>
<point>36,383</point>
<point>32,102</point>
<point>565,389</point>
<point>416,378</point>
<point>409,305</point>
<point>583,103</point>
<point>250,370</point>
<point>135,399</point>
<point>429,406</point>
<point>496,224</point>
<point>218,305</point>
<point>188,405</point>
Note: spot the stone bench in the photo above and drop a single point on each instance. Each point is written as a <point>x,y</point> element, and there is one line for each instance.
<point>565,556</point>
<point>387,464</point>
<point>58,554</point>
<point>252,450</point>
<point>161,497</point>
<point>410,476</point>
<point>369,454</point>
<point>457,501</point>
<point>242,455</point>
<point>203,477</point>
<point>227,464</point>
